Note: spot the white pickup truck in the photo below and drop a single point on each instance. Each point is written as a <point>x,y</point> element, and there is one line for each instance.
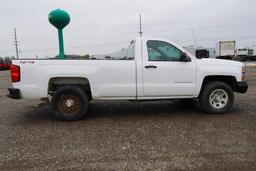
<point>153,69</point>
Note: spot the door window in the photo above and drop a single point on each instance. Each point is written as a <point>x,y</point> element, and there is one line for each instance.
<point>163,51</point>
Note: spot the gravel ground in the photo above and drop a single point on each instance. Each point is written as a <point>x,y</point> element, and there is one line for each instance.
<point>165,135</point>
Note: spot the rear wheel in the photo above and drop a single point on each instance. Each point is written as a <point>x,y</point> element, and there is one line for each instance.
<point>70,103</point>
<point>217,98</point>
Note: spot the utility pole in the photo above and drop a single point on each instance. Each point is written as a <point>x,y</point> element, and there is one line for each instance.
<point>16,43</point>
<point>194,36</point>
<point>140,28</point>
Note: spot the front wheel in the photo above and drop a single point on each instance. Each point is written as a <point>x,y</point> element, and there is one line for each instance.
<point>217,98</point>
<point>70,103</point>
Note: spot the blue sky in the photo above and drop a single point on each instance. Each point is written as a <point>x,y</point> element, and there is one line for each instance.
<point>99,26</point>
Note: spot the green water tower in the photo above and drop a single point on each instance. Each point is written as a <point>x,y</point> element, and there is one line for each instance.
<point>59,19</point>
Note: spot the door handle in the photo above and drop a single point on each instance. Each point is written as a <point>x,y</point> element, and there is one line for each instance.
<point>150,66</point>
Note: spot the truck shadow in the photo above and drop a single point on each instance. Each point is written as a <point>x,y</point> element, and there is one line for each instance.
<point>125,109</point>
<point>141,109</point>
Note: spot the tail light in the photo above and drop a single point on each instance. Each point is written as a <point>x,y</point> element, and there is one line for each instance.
<point>15,73</point>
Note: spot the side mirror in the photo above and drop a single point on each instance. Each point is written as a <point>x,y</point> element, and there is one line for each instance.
<point>185,58</point>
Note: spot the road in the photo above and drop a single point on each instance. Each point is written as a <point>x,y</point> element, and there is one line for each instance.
<point>165,135</point>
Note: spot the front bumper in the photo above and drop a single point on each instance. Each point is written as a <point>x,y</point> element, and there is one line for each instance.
<point>14,93</point>
<point>242,87</point>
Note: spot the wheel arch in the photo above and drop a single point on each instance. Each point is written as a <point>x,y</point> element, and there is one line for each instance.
<point>230,80</point>
<point>55,82</point>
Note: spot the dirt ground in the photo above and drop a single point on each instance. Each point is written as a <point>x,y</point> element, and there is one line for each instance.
<point>165,135</point>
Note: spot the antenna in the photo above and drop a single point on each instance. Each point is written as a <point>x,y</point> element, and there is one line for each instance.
<point>16,43</point>
<point>140,27</point>
<point>194,36</point>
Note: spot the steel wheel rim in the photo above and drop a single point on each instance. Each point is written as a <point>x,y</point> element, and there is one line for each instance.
<point>219,99</point>
<point>69,104</point>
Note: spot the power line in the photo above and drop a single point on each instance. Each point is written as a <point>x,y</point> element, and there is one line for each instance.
<point>80,46</point>
<point>140,28</point>
<point>123,42</point>
<point>150,31</point>
<point>16,43</point>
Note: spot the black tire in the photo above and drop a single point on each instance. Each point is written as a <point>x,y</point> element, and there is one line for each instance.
<point>216,98</point>
<point>70,103</point>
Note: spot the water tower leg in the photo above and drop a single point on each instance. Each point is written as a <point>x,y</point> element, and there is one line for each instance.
<point>61,44</point>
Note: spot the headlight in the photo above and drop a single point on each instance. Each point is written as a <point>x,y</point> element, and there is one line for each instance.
<point>243,73</point>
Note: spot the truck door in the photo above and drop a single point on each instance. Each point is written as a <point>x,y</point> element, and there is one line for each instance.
<point>164,74</point>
